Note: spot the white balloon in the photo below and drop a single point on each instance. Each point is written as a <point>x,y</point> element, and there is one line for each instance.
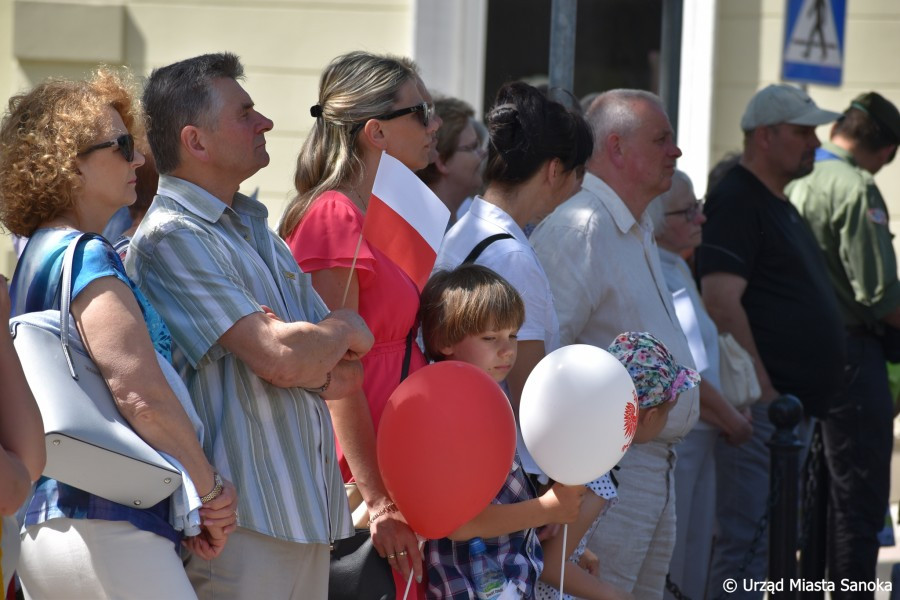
<point>578,413</point>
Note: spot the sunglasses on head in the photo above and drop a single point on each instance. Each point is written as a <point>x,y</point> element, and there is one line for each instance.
<point>124,142</point>
<point>422,107</point>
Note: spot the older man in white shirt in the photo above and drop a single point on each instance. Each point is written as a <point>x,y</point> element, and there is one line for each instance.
<point>600,256</point>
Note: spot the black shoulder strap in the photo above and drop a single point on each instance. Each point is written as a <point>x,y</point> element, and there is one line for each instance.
<point>407,355</point>
<point>477,250</point>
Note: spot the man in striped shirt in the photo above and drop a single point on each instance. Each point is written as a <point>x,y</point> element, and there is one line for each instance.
<point>207,260</point>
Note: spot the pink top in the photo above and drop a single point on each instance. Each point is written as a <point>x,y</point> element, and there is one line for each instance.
<point>388,299</point>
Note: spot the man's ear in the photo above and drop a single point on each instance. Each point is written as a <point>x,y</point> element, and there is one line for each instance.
<point>615,150</point>
<point>194,143</point>
<point>764,135</point>
<point>887,154</point>
<point>374,134</point>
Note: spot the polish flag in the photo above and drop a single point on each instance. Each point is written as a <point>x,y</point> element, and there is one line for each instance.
<point>405,220</point>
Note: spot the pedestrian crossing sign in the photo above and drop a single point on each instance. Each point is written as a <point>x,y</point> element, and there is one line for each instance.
<point>814,41</point>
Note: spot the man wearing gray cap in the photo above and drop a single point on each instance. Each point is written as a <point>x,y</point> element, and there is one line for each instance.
<point>764,280</point>
<point>848,216</point>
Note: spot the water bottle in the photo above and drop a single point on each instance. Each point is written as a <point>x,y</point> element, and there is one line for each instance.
<point>488,577</point>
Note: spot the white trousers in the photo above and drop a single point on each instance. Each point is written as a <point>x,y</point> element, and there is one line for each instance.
<point>92,559</point>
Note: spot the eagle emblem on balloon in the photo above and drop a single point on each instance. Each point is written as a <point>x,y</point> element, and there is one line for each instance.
<point>631,420</point>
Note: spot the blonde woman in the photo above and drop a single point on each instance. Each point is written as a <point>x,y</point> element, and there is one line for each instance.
<point>367,104</point>
<point>67,163</point>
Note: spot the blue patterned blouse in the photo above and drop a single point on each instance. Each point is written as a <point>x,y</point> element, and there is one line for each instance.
<point>35,287</point>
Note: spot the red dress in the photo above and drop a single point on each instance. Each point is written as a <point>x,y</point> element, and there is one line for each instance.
<point>388,299</point>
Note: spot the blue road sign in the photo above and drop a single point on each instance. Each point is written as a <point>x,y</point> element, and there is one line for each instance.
<point>814,41</point>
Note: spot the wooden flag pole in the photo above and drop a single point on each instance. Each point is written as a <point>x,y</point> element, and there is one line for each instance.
<point>352,266</point>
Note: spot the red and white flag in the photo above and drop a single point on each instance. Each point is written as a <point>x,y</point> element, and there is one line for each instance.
<point>405,220</point>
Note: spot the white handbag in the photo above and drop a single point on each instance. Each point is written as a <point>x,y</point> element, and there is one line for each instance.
<point>740,386</point>
<point>90,446</point>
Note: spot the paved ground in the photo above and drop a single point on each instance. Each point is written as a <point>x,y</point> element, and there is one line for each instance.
<point>891,555</point>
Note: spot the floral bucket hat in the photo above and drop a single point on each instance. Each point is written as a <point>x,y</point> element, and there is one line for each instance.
<point>657,377</point>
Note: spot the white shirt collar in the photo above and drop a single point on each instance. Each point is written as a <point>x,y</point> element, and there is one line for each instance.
<point>614,204</point>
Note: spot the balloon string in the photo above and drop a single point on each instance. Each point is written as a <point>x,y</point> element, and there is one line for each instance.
<point>562,567</point>
<point>411,572</point>
<point>352,266</point>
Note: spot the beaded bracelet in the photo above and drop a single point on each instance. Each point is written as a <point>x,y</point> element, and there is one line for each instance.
<point>390,508</point>
<point>320,390</point>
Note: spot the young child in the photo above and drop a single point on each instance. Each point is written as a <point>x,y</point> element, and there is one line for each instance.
<point>658,380</point>
<point>473,315</point>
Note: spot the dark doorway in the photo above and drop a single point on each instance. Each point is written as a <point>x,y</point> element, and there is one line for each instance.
<point>617,44</point>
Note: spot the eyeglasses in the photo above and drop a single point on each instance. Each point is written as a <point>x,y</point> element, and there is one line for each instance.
<point>423,108</point>
<point>125,143</point>
<point>475,147</point>
<point>690,213</point>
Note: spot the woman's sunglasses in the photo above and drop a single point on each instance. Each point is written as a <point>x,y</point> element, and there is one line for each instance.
<point>422,107</point>
<point>125,143</point>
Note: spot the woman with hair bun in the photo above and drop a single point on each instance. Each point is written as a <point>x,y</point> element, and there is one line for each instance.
<point>536,155</point>
<point>367,104</point>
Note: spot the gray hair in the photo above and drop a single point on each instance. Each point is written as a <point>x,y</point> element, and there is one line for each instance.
<point>613,112</point>
<point>657,208</point>
<point>179,95</point>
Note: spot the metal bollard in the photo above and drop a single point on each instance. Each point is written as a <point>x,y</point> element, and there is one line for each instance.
<point>814,514</point>
<point>785,413</point>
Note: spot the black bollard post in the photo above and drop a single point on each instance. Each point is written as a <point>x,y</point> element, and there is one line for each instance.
<point>814,516</point>
<point>785,413</point>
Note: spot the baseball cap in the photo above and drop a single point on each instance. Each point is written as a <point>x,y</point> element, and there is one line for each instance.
<point>881,110</point>
<point>657,377</point>
<point>781,103</point>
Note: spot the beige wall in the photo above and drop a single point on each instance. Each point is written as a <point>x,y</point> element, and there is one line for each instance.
<point>283,45</point>
<point>748,56</point>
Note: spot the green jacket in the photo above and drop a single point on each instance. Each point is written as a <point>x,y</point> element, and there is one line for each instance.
<point>849,218</point>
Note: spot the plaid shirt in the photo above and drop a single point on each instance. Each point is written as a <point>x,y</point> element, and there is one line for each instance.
<point>519,554</point>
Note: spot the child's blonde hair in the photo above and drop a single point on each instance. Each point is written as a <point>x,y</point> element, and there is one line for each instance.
<point>467,300</point>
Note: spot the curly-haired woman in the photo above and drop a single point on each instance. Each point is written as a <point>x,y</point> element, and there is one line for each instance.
<point>67,163</point>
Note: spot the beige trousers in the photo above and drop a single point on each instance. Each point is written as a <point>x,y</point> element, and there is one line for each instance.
<point>253,565</point>
<point>634,541</point>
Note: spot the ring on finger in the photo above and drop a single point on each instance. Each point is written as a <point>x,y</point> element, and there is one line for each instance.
<point>391,556</point>
<point>401,553</point>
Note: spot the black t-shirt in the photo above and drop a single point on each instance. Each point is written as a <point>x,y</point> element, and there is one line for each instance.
<point>789,300</point>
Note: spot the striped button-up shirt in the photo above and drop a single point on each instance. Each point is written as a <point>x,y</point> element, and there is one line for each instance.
<point>204,266</point>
